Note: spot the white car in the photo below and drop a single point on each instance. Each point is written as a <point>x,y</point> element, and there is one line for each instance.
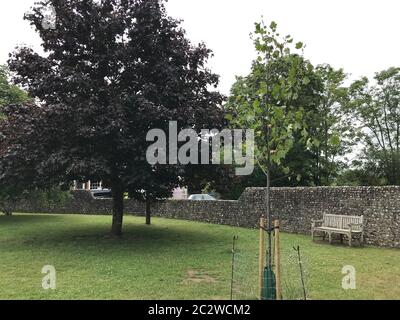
<point>201,197</point>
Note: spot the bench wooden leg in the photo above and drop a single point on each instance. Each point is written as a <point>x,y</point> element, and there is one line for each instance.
<point>362,239</point>
<point>350,244</point>
<point>341,238</point>
<point>330,238</point>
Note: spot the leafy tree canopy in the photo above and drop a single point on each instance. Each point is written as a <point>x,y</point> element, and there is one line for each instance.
<point>10,93</point>
<point>113,70</point>
<point>375,110</point>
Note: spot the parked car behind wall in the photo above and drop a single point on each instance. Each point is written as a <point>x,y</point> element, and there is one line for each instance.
<point>200,197</point>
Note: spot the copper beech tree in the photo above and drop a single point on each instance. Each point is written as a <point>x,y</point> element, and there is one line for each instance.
<point>112,70</point>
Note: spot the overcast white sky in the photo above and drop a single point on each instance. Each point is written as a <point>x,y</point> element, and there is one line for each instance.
<point>362,36</point>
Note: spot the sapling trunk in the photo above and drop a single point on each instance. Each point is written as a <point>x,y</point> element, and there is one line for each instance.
<point>269,219</point>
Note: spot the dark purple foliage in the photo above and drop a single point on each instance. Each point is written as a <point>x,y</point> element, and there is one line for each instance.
<point>113,70</point>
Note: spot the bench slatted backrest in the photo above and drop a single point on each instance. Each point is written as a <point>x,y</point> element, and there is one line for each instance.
<point>342,222</point>
<point>353,220</point>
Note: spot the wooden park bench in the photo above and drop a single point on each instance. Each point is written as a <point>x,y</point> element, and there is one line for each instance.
<point>338,224</point>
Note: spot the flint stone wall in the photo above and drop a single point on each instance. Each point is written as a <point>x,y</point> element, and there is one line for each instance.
<point>295,207</point>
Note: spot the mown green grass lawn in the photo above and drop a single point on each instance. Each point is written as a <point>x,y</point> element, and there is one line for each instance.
<point>170,260</point>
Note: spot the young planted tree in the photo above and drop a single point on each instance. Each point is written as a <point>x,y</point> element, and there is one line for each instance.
<point>113,70</point>
<point>313,161</point>
<point>267,102</point>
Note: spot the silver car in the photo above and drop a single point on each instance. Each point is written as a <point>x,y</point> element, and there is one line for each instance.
<point>201,197</point>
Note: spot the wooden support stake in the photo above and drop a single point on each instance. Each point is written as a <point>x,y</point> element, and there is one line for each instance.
<point>277,262</point>
<point>261,257</point>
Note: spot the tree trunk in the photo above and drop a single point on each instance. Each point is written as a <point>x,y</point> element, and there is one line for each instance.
<point>148,212</point>
<point>118,209</point>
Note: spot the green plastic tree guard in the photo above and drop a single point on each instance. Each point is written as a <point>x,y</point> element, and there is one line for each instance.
<point>269,291</point>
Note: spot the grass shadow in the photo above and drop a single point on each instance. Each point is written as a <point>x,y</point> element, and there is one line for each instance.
<point>48,231</point>
<point>23,218</point>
